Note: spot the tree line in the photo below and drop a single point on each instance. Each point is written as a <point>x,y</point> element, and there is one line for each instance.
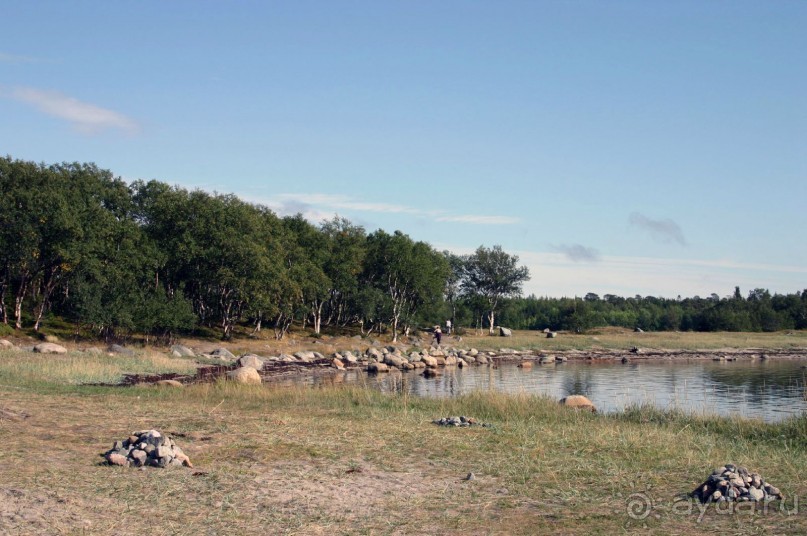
<point>115,259</point>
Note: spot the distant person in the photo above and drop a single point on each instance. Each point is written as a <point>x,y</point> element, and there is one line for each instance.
<point>448,327</point>
<point>438,335</point>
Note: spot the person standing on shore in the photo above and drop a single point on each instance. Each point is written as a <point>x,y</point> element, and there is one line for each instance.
<point>448,327</point>
<point>437,334</point>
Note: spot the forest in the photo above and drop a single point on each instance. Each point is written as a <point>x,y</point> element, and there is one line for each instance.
<point>116,259</point>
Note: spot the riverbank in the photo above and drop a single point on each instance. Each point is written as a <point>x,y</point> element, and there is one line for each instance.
<point>355,461</point>
<point>352,460</point>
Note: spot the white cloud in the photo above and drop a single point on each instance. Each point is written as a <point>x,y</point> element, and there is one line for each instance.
<point>329,204</point>
<point>665,231</point>
<point>478,219</point>
<point>86,118</point>
<point>554,274</point>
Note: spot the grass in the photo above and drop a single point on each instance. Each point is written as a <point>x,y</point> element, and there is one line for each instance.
<point>352,460</point>
<point>76,368</point>
<point>621,339</point>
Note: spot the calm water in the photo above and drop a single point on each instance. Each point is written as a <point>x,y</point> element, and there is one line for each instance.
<point>767,389</point>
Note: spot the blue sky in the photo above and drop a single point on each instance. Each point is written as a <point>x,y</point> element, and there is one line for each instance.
<point>653,148</point>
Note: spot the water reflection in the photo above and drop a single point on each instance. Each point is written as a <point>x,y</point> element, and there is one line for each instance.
<point>771,390</point>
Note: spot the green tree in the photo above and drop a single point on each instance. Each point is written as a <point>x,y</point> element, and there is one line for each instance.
<point>494,275</point>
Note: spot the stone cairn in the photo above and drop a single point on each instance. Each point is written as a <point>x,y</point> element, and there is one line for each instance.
<point>735,484</point>
<point>460,421</point>
<point>149,447</point>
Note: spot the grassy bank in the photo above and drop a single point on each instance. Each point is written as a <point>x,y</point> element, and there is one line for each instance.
<point>355,461</point>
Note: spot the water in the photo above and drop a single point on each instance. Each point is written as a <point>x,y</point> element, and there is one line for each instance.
<point>767,389</point>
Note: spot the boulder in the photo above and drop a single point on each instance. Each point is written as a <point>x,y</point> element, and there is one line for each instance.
<point>118,349</point>
<point>50,348</point>
<point>429,361</point>
<point>394,360</point>
<point>473,352</point>
<point>245,375</point>
<point>505,332</point>
<point>178,350</point>
<point>551,335</point>
<point>525,364</point>
<point>349,357</point>
<point>579,402</point>
<point>222,353</point>
<point>251,360</point>
<point>337,364</point>
<point>375,368</point>
<point>6,345</point>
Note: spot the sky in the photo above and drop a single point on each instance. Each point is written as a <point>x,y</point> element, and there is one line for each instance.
<point>622,147</point>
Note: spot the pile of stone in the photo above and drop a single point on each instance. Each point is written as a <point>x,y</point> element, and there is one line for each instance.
<point>147,448</point>
<point>460,421</point>
<point>735,484</point>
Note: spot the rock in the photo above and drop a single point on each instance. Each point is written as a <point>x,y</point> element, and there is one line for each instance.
<point>139,457</point>
<point>169,383</point>
<point>394,360</point>
<point>432,372</point>
<point>375,368</point>
<point>637,329</point>
<point>222,353</point>
<point>546,360</point>
<point>429,361</point>
<point>525,364</point>
<point>578,402</point>
<point>482,360</point>
<point>450,360</point>
<point>118,349</point>
<point>114,458</point>
<point>337,364</point>
<point>473,352</point>
<point>505,332</point>
<point>182,351</point>
<point>756,494</point>
<point>561,359</point>
<point>50,348</point>
<point>470,476</point>
<point>245,375</point>
<point>551,335</point>
<point>251,360</point>
<point>6,345</point>
<point>305,356</point>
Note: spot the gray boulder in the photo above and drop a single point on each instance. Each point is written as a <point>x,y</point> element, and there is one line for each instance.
<point>505,332</point>
<point>222,353</point>
<point>118,349</point>
<point>49,348</point>
<point>251,360</point>
<point>178,350</point>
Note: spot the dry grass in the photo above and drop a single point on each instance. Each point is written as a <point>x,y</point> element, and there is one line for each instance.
<point>75,368</point>
<point>620,339</point>
<point>354,461</point>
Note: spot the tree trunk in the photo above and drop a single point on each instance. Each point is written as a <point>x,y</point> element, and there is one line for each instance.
<point>491,319</point>
<point>18,299</point>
